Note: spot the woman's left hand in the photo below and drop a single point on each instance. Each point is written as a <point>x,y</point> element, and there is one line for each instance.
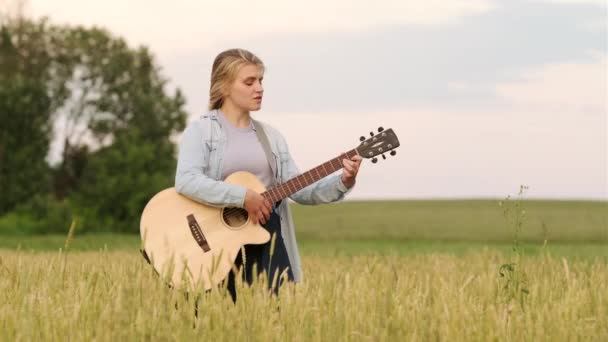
<point>351,168</point>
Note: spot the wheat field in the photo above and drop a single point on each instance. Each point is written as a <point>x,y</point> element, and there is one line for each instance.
<point>115,295</point>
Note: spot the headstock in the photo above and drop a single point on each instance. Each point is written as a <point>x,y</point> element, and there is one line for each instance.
<point>378,144</point>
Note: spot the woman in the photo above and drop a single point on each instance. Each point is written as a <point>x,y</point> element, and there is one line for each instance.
<point>224,141</point>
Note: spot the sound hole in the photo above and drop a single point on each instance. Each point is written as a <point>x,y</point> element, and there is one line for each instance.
<point>235,217</point>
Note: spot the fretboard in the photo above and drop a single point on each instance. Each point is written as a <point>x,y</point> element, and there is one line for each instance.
<point>281,191</point>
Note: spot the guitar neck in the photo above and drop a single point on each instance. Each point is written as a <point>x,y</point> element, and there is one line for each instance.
<point>281,191</point>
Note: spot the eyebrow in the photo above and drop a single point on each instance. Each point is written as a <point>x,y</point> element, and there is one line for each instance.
<point>253,78</point>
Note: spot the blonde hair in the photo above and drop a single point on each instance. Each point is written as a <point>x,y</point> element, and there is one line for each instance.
<point>225,68</point>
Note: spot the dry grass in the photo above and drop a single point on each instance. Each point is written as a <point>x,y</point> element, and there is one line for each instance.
<point>110,296</point>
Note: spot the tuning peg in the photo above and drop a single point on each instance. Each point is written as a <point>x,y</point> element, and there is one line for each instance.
<point>375,160</point>
<point>393,152</point>
<point>380,129</point>
<point>383,156</point>
<point>361,138</point>
<point>371,133</point>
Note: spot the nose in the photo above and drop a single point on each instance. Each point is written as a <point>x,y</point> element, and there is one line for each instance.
<point>258,87</point>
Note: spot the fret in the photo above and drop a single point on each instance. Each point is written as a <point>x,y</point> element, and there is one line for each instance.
<point>294,183</point>
<point>331,164</point>
<point>312,177</point>
<point>285,188</point>
<point>281,191</point>
<point>338,162</point>
<point>277,192</point>
<point>311,180</point>
<point>307,178</point>
<point>299,183</point>
<point>273,195</point>
<point>268,195</point>
<point>318,173</point>
<point>333,167</point>
<point>324,170</point>
<point>302,178</point>
<point>289,185</point>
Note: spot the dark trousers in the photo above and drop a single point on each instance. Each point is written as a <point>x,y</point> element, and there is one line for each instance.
<point>259,260</point>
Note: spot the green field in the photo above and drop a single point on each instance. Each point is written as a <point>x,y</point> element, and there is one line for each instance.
<point>374,271</point>
<point>570,228</point>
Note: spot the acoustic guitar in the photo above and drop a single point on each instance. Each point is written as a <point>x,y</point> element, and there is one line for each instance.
<point>193,244</point>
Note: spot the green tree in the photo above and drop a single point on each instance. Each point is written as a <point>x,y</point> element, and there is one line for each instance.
<point>120,179</point>
<point>24,140</point>
<point>25,112</point>
<point>110,109</point>
<point>129,120</point>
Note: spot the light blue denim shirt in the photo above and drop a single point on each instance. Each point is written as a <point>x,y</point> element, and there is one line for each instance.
<point>199,169</point>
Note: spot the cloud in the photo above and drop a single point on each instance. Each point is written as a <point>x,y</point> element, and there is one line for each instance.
<point>577,87</point>
<point>187,24</point>
<point>409,65</point>
<point>594,2</point>
<point>388,54</point>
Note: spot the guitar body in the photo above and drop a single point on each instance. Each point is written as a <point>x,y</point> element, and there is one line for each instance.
<point>194,244</point>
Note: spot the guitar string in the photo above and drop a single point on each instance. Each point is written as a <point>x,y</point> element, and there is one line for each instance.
<point>235,212</point>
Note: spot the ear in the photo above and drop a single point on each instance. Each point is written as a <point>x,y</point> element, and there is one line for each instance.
<point>226,91</point>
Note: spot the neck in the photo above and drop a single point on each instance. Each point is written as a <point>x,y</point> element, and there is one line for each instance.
<point>307,178</point>
<point>235,115</point>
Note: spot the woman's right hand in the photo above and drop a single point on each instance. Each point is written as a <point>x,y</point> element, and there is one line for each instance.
<point>257,207</point>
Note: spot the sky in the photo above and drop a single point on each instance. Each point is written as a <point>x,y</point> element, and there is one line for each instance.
<point>484,95</point>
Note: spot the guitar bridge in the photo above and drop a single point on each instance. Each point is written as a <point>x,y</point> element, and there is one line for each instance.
<point>197,233</point>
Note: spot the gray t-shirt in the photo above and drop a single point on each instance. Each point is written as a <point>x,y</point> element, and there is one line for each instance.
<point>244,152</point>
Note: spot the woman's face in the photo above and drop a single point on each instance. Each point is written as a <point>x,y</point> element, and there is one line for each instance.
<point>246,91</point>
